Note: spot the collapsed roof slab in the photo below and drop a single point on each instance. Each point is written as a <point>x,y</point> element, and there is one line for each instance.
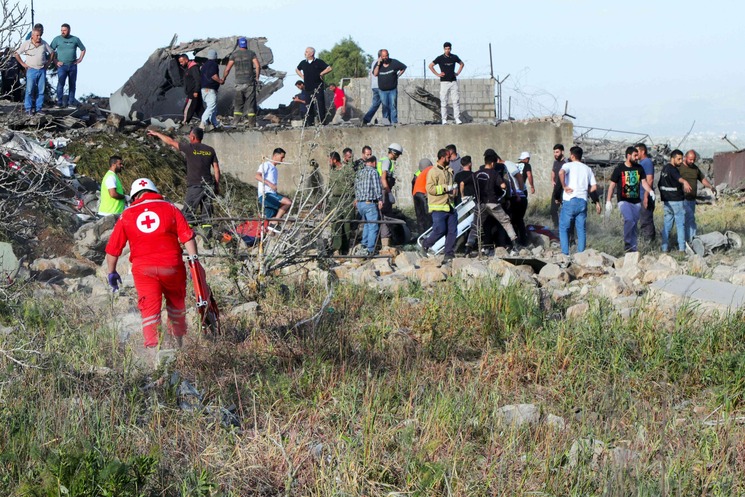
<point>156,88</point>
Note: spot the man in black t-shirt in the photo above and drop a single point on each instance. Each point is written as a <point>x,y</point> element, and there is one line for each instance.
<point>388,71</point>
<point>201,187</point>
<point>631,180</point>
<point>465,180</point>
<point>557,193</point>
<point>672,187</point>
<point>448,83</point>
<point>312,70</point>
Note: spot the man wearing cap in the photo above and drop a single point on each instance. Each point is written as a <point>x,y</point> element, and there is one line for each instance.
<point>368,195</point>
<point>201,187</point>
<point>155,230</point>
<point>38,55</point>
<point>312,71</point>
<point>113,200</point>
<point>448,81</point>
<point>192,88</point>
<point>210,84</point>
<point>440,193</point>
<point>419,192</point>
<point>388,71</point>
<point>386,169</point>
<point>66,48</point>
<point>247,72</point>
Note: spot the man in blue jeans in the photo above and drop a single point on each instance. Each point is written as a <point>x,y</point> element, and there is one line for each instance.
<point>441,191</point>
<point>672,185</point>
<point>388,71</point>
<point>578,181</point>
<point>38,55</point>
<point>66,48</point>
<point>368,198</point>
<point>375,105</point>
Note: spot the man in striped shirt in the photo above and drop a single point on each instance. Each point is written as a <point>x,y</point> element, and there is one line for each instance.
<point>368,194</point>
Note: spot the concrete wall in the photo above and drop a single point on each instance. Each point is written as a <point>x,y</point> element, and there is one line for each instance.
<point>477,102</point>
<point>241,153</point>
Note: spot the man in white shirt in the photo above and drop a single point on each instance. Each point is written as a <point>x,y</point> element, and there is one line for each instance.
<point>577,180</point>
<point>274,204</point>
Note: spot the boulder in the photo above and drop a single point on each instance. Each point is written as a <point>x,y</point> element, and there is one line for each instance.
<point>246,310</point>
<point>589,258</point>
<point>656,273</point>
<point>669,261</point>
<point>586,451</point>
<point>499,266</point>
<point>68,266</point>
<point>584,272</point>
<point>382,267</point>
<point>362,276</point>
<point>469,268</point>
<point>723,272</point>
<point>612,287</point>
<point>406,260</point>
<point>578,311</point>
<point>514,276</point>
<point>520,414</point>
<point>554,272</point>
<point>429,275</point>
<point>8,260</point>
<point>738,279</point>
<point>697,265</point>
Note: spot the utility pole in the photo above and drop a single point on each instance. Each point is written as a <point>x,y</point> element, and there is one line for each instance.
<point>32,13</point>
<point>498,110</point>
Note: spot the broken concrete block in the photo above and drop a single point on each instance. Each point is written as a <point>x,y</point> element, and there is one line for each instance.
<point>115,121</point>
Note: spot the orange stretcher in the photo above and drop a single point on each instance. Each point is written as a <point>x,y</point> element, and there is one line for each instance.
<point>209,314</point>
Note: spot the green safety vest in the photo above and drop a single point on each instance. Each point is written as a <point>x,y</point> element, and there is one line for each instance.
<point>108,206</point>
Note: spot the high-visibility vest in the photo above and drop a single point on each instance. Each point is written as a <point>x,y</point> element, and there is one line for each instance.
<point>390,170</point>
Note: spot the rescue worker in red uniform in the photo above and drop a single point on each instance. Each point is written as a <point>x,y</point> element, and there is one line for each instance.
<point>155,230</point>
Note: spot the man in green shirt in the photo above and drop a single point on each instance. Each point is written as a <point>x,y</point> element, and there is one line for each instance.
<point>66,48</point>
<point>341,198</point>
<point>113,199</point>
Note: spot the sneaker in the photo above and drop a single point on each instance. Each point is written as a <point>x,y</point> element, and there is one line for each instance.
<point>447,260</point>
<point>458,121</point>
<point>469,252</point>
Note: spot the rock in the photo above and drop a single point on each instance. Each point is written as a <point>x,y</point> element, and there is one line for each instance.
<point>6,330</point>
<point>537,252</point>
<point>363,276</point>
<point>8,260</point>
<point>723,272</point>
<point>578,311</point>
<point>586,451</point>
<point>514,276</point>
<point>526,269</point>
<point>657,273</point>
<point>341,272</point>
<point>382,267</point>
<point>554,272</point>
<point>247,310</point>
<point>520,414</point>
<point>70,267</point>
<point>406,260</point>
<point>612,287</point>
<point>115,120</point>
<point>469,268</point>
<point>630,271</point>
<point>589,258</point>
<point>629,259</point>
<point>539,240</point>
<point>555,422</point>
<point>667,260</point>
<point>738,279</point>
<point>91,239</point>
<point>393,283</point>
<point>499,266</point>
<point>559,295</point>
<point>428,275</point>
<point>584,272</point>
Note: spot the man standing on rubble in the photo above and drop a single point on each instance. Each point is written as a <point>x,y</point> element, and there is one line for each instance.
<point>578,182</point>
<point>38,55</point>
<point>692,174</point>
<point>155,230</point>
<point>247,73</point>
<point>113,200</point>
<point>630,178</point>
<point>388,71</point>
<point>448,82</point>
<point>201,187</point>
<point>66,48</point>
<point>419,192</point>
<point>557,192</point>
<point>274,204</point>
<point>368,195</point>
<point>386,170</point>
<point>341,186</point>
<point>440,195</point>
<point>646,219</point>
<point>210,83</point>
<point>672,189</point>
<point>192,88</point>
<point>312,70</point>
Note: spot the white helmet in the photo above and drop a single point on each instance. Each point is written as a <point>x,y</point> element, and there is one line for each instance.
<point>142,184</point>
<point>396,148</point>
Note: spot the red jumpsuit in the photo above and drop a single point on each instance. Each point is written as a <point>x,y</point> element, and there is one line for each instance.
<point>155,230</point>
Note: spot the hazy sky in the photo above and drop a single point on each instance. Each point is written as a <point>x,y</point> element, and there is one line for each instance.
<point>648,66</point>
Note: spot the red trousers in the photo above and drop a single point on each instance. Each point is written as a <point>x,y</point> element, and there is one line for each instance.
<point>152,284</point>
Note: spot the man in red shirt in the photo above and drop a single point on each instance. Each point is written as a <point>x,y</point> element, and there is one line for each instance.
<point>155,230</point>
<point>340,103</point>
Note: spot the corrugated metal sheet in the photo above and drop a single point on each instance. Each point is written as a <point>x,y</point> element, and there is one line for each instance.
<point>729,167</point>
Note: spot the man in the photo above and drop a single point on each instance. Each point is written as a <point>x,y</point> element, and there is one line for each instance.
<point>10,71</point>
<point>518,202</point>
<point>375,93</point>
<point>201,187</point>
<point>440,189</point>
<point>646,219</point>
<point>577,181</point>
<point>366,154</point>
<point>192,88</point>
<point>454,159</point>
<point>247,74</point>
<point>448,81</point>
<point>273,204</point>
<point>631,179</point>
<point>465,181</point>
<point>155,230</point>
<point>419,192</point>
<point>523,164</point>
<point>388,71</point>
<point>672,188</point>
<point>347,157</point>
<point>340,103</point>
<point>341,186</point>
<point>300,101</point>
<point>210,83</point>
<point>312,71</point>
<point>112,200</point>
<point>38,55</point>
<point>386,169</point>
<point>557,192</point>
<point>66,48</point>
<point>692,174</point>
<point>491,194</point>
<point>368,194</point>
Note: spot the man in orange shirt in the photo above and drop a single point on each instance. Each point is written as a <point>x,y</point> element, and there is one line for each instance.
<point>419,191</point>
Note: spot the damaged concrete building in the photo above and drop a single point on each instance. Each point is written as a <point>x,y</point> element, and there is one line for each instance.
<point>156,89</point>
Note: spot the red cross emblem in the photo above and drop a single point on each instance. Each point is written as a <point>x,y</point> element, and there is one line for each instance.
<point>143,183</point>
<point>147,221</point>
